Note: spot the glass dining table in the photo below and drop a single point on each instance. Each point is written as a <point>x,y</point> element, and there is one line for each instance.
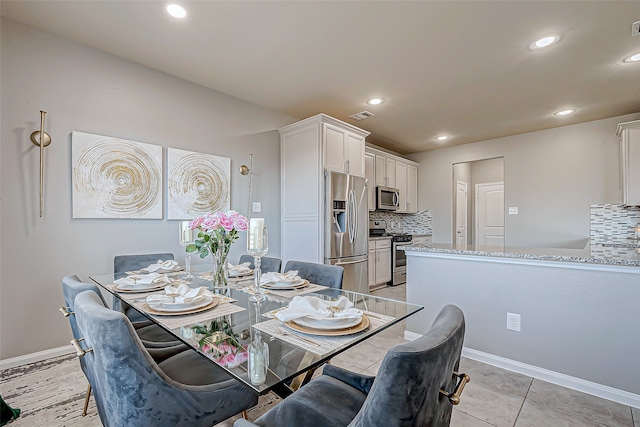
<point>222,330</point>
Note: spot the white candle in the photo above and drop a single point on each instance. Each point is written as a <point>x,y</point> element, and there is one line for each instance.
<point>256,227</point>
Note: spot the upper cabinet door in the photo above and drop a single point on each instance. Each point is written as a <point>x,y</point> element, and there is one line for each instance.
<point>412,189</point>
<point>334,157</point>
<point>381,177</point>
<point>401,185</point>
<point>390,172</point>
<point>354,153</point>
<point>370,174</point>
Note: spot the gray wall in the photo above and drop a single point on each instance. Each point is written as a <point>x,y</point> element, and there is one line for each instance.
<point>87,90</point>
<point>579,322</point>
<point>552,176</point>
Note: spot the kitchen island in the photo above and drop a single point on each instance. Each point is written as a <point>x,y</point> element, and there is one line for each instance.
<point>579,310</point>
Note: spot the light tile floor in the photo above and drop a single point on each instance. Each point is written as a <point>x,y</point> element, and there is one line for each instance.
<point>497,397</point>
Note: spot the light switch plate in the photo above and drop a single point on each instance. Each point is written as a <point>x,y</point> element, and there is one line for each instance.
<point>257,207</point>
<point>513,211</point>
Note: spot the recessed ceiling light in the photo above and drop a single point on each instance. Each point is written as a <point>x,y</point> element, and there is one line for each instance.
<point>375,101</point>
<point>544,42</point>
<point>564,112</point>
<point>442,138</point>
<point>633,58</point>
<point>176,11</point>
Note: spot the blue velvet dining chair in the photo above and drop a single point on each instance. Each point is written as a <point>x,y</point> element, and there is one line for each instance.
<point>71,287</point>
<point>124,263</point>
<point>416,386</point>
<point>321,274</point>
<point>267,264</point>
<point>132,390</point>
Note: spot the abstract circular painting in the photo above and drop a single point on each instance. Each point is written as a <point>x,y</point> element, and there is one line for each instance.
<point>115,178</point>
<point>197,183</point>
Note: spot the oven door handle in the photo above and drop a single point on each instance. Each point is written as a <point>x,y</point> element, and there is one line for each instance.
<point>350,262</point>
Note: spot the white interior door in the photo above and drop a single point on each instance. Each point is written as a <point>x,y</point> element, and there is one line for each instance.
<point>461,214</point>
<point>490,214</point>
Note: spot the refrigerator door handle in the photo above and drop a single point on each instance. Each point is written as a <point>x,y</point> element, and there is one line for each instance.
<point>354,214</point>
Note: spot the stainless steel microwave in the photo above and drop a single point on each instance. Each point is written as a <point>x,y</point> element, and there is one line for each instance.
<point>387,199</point>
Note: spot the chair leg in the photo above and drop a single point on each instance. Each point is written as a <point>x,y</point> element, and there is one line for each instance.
<point>245,415</point>
<point>86,400</point>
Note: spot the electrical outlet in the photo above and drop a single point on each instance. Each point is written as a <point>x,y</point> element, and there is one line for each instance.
<point>513,322</point>
<point>257,207</point>
<point>513,210</point>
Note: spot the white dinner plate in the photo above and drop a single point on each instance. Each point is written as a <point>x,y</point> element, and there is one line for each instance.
<point>240,273</point>
<point>327,323</point>
<point>276,285</point>
<point>171,307</point>
<point>141,288</point>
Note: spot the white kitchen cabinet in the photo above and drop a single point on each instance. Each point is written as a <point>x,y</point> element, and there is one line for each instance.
<point>412,188</point>
<point>344,150</point>
<point>308,147</point>
<point>370,175</point>
<point>385,171</point>
<point>371,265</point>
<point>401,185</point>
<point>629,134</point>
<point>379,263</point>
<point>395,172</point>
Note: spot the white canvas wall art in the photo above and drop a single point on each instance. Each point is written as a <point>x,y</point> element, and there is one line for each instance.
<point>197,183</point>
<point>115,178</point>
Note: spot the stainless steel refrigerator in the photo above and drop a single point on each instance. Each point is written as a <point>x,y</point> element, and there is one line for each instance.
<point>346,228</point>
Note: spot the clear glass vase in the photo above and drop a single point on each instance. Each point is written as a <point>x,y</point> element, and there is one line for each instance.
<point>220,267</point>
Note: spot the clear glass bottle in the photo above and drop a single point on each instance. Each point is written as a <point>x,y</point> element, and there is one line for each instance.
<point>258,352</point>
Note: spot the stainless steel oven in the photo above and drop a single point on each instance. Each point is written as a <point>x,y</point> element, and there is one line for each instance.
<point>399,259</point>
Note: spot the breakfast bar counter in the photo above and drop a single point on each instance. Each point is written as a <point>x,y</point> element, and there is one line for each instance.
<point>576,310</point>
<point>622,254</point>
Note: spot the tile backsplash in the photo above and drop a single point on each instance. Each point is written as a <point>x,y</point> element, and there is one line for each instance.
<point>417,223</point>
<point>613,223</point>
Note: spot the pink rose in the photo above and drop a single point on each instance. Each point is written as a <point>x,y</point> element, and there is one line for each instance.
<point>226,222</point>
<point>240,222</point>
<point>196,223</point>
<point>210,222</point>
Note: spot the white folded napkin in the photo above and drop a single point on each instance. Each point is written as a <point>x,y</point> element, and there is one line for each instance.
<point>183,294</point>
<point>273,277</point>
<point>142,279</point>
<point>162,266</point>
<point>301,306</point>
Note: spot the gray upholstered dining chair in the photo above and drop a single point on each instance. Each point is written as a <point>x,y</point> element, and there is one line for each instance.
<point>321,274</point>
<point>124,263</point>
<point>267,264</point>
<point>71,287</point>
<point>416,385</point>
<point>133,390</point>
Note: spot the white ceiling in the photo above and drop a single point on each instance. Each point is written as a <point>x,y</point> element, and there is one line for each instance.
<point>461,68</point>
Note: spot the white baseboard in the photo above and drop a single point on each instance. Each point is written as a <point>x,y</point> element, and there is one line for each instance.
<point>35,357</point>
<point>595,389</point>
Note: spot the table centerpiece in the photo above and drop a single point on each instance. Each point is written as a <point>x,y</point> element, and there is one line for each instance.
<point>216,232</point>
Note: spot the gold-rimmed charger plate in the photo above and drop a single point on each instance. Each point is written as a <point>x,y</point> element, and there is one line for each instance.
<point>150,310</point>
<point>150,288</point>
<point>362,326</point>
<point>286,287</point>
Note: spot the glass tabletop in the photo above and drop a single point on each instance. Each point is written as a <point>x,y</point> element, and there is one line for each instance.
<point>221,330</point>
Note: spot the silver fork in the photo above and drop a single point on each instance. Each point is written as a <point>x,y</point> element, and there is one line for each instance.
<point>281,331</point>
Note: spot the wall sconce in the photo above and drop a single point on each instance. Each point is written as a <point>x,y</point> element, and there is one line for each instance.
<point>41,139</point>
<point>246,170</point>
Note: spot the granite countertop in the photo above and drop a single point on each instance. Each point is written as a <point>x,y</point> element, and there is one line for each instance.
<point>380,238</point>
<point>591,254</point>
